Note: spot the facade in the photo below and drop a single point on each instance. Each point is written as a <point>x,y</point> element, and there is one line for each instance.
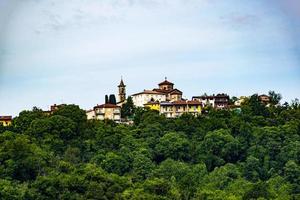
<point>91,114</point>
<point>240,101</point>
<point>107,111</point>
<point>140,99</point>
<point>164,92</point>
<point>5,120</point>
<point>265,99</point>
<point>153,105</point>
<point>205,100</point>
<point>219,101</point>
<point>177,108</point>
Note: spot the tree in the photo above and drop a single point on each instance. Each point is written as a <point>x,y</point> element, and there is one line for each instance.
<point>20,158</point>
<point>128,108</point>
<point>112,99</point>
<point>114,163</point>
<point>292,174</point>
<point>173,145</point>
<point>106,99</point>
<point>218,148</point>
<point>274,97</point>
<point>232,100</point>
<point>72,112</point>
<point>23,121</point>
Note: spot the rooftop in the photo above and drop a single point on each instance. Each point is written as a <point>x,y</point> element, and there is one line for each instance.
<point>166,82</point>
<point>107,105</point>
<point>5,117</point>
<point>148,92</point>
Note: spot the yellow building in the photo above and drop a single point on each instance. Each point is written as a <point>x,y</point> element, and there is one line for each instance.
<point>107,111</point>
<point>152,105</point>
<point>5,120</point>
<point>177,108</point>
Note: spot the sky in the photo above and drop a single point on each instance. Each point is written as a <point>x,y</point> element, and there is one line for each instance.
<point>75,51</point>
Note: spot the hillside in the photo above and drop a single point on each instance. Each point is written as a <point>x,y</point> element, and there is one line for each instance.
<point>251,154</point>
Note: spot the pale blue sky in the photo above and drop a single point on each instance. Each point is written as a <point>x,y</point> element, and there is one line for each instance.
<point>75,51</point>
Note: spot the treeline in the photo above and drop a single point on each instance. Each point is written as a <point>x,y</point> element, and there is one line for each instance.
<point>253,153</point>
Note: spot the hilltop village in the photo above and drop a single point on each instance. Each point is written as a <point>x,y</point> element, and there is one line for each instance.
<point>166,99</point>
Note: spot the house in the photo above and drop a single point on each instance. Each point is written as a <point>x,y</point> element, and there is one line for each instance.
<point>219,101</point>
<point>164,92</point>
<point>166,87</point>
<point>265,99</point>
<point>177,108</point>
<point>240,101</point>
<point>91,114</point>
<point>152,105</point>
<point>140,99</point>
<point>56,107</point>
<point>106,111</point>
<point>53,108</point>
<point>5,120</point>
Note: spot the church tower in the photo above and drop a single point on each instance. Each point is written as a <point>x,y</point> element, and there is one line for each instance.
<point>122,91</point>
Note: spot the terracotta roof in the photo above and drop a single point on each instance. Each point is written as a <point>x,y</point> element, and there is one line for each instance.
<point>166,82</point>
<point>181,102</point>
<point>148,92</point>
<point>175,91</point>
<point>187,102</point>
<point>211,96</point>
<point>152,102</point>
<point>222,95</point>
<point>194,103</point>
<point>107,105</point>
<point>5,117</point>
<point>161,91</point>
<point>203,97</point>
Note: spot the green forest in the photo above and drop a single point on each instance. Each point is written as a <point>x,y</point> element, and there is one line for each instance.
<point>250,153</point>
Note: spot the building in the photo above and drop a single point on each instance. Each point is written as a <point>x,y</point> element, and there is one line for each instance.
<point>5,120</point>
<point>106,111</point>
<point>167,88</point>
<point>140,99</point>
<point>205,100</point>
<point>152,105</point>
<point>177,108</point>
<point>122,93</point>
<point>91,114</point>
<point>219,101</point>
<point>164,92</point>
<point>265,99</point>
<point>240,101</point>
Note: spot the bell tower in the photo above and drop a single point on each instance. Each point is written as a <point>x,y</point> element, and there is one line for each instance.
<point>122,91</point>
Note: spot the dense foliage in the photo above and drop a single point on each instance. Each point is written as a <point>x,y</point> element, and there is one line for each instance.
<point>239,154</point>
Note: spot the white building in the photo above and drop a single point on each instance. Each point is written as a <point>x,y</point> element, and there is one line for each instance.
<point>91,114</point>
<point>205,100</point>
<point>146,96</point>
<point>164,92</point>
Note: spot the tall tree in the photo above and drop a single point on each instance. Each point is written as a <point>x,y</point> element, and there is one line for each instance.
<point>106,99</point>
<point>274,97</point>
<point>112,99</point>
<point>128,108</point>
